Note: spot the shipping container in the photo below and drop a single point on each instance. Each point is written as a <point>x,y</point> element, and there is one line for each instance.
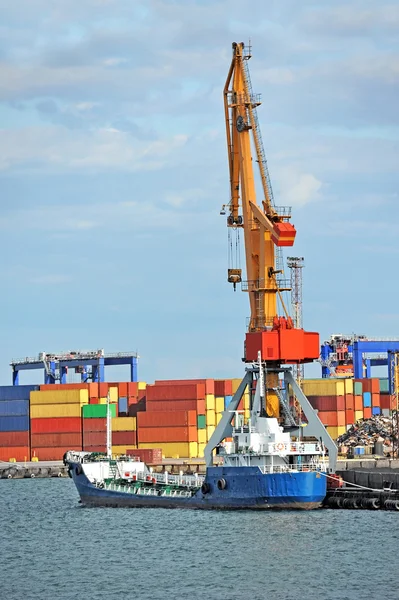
<point>179,392</point>
<point>201,450</point>
<point>95,438</point>
<point>349,402</point>
<point>140,406</point>
<point>168,405</point>
<point>209,431</point>
<point>98,411</point>
<point>209,383</point>
<point>210,402</point>
<point>15,453</point>
<point>16,392</point>
<point>375,400</point>
<point>227,400</point>
<point>94,424</point>
<point>61,425</point>
<point>14,438</point>
<point>336,432</point>
<point>62,387</point>
<point>358,387</point>
<point>219,404</point>
<point>93,390</point>
<point>175,450</point>
<point>72,441</point>
<point>218,417</point>
<point>127,438</point>
<point>328,403</point>
<point>235,384</point>
<point>141,385</point>
<point>102,389</point>
<point>332,418</point>
<point>349,417</point>
<point>122,389</point>
<point>100,448</point>
<point>376,410</point>
<point>358,415</point>
<point>122,406</point>
<point>60,396</point>
<point>201,436</point>
<point>201,422</point>
<point>367,412</point>
<point>94,401</point>
<point>180,418</point>
<point>323,387</point>
<point>167,434</point>
<point>223,387</point>
<point>14,423</point>
<point>349,388</point>
<point>371,385</point>
<point>210,417</point>
<point>384,385</point>
<point>149,456</point>
<point>39,411</point>
<point>358,402</point>
<point>14,408</point>
<point>124,424</point>
<point>367,399</point>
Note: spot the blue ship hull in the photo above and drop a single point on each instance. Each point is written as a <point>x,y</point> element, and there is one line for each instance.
<point>246,488</point>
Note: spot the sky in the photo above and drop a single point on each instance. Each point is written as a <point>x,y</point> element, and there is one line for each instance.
<point>113,170</point>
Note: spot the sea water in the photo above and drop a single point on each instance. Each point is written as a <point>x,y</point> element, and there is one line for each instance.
<point>51,548</point>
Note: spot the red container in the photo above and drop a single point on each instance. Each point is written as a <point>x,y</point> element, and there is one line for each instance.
<point>148,435</point>
<point>124,438</point>
<point>20,453</point>
<point>102,390</point>
<point>93,390</point>
<point>178,392</point>
<point>54,425</point>
<point>95,424</point>
<point>349,417</point>
<point>176,405</point>
<point>332,418</point>
<point>141,395</point>
<point>371,385</point>
<point>358,402</point>
<point>387,401</point>
<point>223,387</point>
<point>367,412</point>
<point>179,418</point>
<point>375,399</point>
<point>50,453</point>
<point>94,400</point>
<point>349,402</point>
<point>327,403</point>
<point>151,456</point>
<point>72,441</point>
<point>131,400</point>
<point>94,438</point>
<point>122,389</point>
<point>100,448</point>
<point>209,383</point>
<point>14,439</point>
<point>132,388</point>
<point>63,386</point>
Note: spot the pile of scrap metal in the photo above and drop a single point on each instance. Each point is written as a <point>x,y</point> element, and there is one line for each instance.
<point>367,432</point>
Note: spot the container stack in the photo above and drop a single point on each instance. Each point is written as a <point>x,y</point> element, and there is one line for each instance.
<point>387,401</point>
<point>14,422</point>
<point>333,400</point>
<point>94,426</point>
<point>56,419</point>
<point>124,434</point>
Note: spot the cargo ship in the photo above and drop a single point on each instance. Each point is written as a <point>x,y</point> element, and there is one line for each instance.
<point>267,466</point>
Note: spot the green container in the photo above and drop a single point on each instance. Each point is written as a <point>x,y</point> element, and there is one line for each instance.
<point>384,385</point>
<point>98,411</point>
<point>358,388</point>
<point>201,422</point>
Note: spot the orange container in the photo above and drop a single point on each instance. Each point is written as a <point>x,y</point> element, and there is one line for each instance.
<point>93,390</point>
<point>132,388</point>
<point>56,424</point>
<point>375,399</point>
<point>178,392</point>
<point>358,402</point>
<point>349,417</point>
<point>20,453</point>
<point>178,418</point>
<point>102,390</point>
<point>223,387</point>
<point>167,434</point>
<point>63,386</point>
<point>122,389</point>
<point>367,412</point>
<point>349,402</point>
<point>14,439</point>
<point>72,441</point>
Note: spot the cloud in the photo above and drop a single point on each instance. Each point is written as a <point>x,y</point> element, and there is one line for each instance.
<point>298,189</point>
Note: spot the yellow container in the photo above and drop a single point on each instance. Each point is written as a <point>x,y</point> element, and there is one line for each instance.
<point>175,450</point>
<point>218,417</point>
<point>336,432</point>
<point>40,411</point>
<point>201,450</point>
<point>117,450</point>
<point>210,417</point>
<point>124,424</point>
<point>202,436</point>
<point>324,387</point>
<point>348,386</point>
<point>113,394</point>
<point>102,401</point>
<point>219,404</point>
<point>358,415</point>
<point>142,385</point>
<point>210,402</point>
<point>235,384</point>
<point>59,397</point>
<point>209,431</point>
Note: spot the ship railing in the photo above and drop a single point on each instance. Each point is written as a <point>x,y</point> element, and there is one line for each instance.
<point>266,469</point>
<point>166,478</point>
<point>142,491</point>
<point>294,448</point>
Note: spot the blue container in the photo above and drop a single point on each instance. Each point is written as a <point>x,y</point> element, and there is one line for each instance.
<point>227,400</point>
<point>358,450</point>
<point>376,410</point>
<point>17,392</point>
<point>14,423</point>
<point>367,399</point>
<point>14,408</point>
<point>122,406</point>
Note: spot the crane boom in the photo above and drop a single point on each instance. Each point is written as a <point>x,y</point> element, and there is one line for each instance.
<point>266,227</point>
